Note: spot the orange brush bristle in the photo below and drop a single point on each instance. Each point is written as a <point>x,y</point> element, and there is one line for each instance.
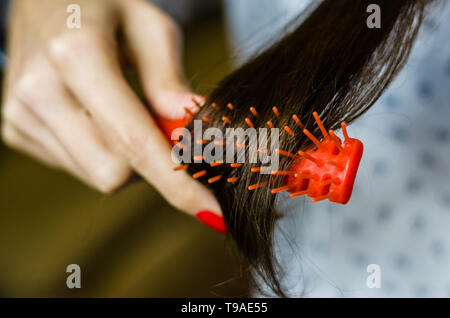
<point>327,170</point>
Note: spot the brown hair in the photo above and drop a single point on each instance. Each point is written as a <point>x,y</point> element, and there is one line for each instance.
<point>332,63</point>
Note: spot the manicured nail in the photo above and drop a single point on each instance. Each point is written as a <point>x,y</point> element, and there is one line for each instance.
<point>212,220</point>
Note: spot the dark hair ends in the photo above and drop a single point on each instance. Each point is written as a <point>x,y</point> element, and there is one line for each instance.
<point>332,63</point>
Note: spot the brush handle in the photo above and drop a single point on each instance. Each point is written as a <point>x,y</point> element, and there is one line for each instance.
<point>167,126</point>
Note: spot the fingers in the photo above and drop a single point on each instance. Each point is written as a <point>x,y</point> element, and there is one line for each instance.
<point>24,132</point>
<point>19,141</point>
<point>159,61</point>
<point>92,72</point>
<point>49,100</point>
<point>45,110</point>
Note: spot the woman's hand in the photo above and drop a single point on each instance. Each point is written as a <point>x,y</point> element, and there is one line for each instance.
<point>67,104</point>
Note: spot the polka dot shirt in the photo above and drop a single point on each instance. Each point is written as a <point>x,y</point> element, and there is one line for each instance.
<point>399,215</point>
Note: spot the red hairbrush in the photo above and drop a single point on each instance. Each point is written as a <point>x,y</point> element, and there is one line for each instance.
<point>325,171</point>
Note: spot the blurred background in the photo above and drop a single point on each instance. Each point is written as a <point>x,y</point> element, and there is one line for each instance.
<point>130,244</point>
<point>133,244</point>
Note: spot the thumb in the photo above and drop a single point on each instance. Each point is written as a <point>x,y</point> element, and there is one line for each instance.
<point>156,45</point>
<point>155,42</point>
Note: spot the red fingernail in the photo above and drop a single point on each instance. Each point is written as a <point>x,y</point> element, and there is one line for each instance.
<point>212,220</point>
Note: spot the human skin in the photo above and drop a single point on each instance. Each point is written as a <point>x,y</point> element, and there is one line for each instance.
<point>66,103</point>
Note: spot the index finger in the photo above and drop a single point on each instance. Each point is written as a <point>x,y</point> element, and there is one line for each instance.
<point>91,70</point>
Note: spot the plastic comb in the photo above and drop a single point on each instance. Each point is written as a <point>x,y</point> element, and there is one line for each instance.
<point>326,170</point>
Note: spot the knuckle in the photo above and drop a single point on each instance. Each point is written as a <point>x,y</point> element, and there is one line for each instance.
<point>36,77</point>
<point>110,177</point>
<point>107,188</point>
<point>67,47</point>
<point>12,113</point>
<point>26,86</point>
<point>8,135</point>
<point>132,142</point>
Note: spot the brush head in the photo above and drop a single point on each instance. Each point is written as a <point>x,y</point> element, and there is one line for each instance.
<point>327,171</point>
